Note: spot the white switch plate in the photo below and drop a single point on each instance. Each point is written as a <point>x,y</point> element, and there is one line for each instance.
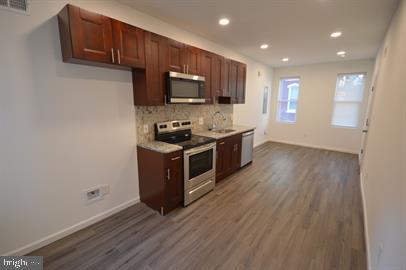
<point>145,129</point>
<point>201,121</point>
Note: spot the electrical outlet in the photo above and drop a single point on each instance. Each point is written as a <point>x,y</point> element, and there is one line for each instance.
<point>146,129</point>
<point>96,193</point>
<point>93,195</point>
<point>201,122</point>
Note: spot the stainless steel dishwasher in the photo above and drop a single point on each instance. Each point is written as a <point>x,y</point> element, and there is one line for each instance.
<point>247,147</point>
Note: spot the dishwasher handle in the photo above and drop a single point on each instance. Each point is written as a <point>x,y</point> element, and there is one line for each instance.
<point>248,134</point>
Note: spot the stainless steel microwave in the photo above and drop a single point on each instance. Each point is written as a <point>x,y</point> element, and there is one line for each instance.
<point>185,88</point>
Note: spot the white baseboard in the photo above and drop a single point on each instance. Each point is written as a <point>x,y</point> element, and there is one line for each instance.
<point>65,232</point>
<point>261,143</point>
<point>315,146</point>
<point>364,210</point>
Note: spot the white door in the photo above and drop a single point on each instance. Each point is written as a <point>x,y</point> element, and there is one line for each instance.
<point>367,120</point>
<point>365,127</point>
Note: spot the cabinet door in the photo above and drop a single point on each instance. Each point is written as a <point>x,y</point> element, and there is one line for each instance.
<point>155,68</point>
<point>176,56</point>
<point>228,157</point>
<point>129,45</point>
<point>192,60</point>
<point>220,160</point>
<point>240,95</point>
<point>207,72</point>
<point>236,157</point>
<point>218,75</point>
<point>233,80</point>
<point>226,78</point>
<point>174,181</point>
<point>91,35</point>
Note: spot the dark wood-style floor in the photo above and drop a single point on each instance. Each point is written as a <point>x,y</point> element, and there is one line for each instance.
<point>293,208</point>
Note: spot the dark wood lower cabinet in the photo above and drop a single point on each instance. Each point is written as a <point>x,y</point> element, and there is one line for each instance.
<point>228,159</point>
<point>160,179</point>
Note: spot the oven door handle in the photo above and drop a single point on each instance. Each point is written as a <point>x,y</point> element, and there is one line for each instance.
<point>200,149</point>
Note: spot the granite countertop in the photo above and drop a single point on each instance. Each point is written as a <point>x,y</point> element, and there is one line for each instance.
<point>165,148</point>
<point>160,147</point>
<point>217,136</point>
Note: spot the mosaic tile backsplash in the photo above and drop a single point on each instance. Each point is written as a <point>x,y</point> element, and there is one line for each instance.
<point>150,115</point>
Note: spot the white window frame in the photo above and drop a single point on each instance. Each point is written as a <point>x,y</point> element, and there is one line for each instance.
<point>289,110</point>
<point>288,100</point>
<point>360,103</point>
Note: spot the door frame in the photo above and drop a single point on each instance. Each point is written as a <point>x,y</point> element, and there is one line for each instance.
<point>367,117</point>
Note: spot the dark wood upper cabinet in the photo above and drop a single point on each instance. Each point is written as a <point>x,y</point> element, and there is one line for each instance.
<point>213,69</point>
<point>175,56</point>
<point>161,181</point>
<point>192,60</point>
<point>183,58</point>
<point>149,84</point>
<point>226,79</point>
<point>241,80</point>
<point>90,38</point>
<point>218,75</point>
<point>233,81</point>
<point>234,92</point>
<point>207,64</point>
<point>129,45</point>
<point>86,37</point>
<point>93,39</point>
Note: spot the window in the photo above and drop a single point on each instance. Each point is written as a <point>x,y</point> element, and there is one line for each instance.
<point>348,99</point>
<point>288,98</point>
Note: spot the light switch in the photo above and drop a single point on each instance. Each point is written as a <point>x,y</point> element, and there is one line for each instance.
<point>145,129</point>
<point>201,122</point>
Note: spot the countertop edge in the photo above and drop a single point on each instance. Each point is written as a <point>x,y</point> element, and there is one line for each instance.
<point>166,148</point>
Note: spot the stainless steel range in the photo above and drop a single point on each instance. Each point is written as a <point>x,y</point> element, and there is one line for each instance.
<point>199,157</point>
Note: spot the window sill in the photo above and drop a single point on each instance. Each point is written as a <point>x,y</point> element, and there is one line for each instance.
<point>344,127</point>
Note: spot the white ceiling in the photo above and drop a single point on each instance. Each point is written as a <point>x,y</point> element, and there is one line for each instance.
<point>298,29</point>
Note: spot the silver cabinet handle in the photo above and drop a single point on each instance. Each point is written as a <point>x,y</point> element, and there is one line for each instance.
<point>118,56</point>
<point>184,68</point>
<point>222,143</point>
<point>112,55</point>
<point>168,174</point>
<point>365,131</point>
<point>175,158</point>
<point>187,69</point>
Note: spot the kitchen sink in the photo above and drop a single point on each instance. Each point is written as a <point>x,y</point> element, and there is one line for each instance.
<point>224,130</point>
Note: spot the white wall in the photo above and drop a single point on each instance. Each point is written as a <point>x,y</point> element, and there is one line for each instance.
<point>250,113</point>
<point>66,128</point>
<point>315,107</point>
<point>384,166</point>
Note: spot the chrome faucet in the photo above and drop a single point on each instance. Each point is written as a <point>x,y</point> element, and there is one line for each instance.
<point>213,124</point>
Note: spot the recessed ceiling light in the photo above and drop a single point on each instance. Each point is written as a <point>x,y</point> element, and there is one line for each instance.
<point>285,59</point>
<point>336,34</point>
<point>224,21</point>
<point>264,46</point>
<point>341,53</point>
